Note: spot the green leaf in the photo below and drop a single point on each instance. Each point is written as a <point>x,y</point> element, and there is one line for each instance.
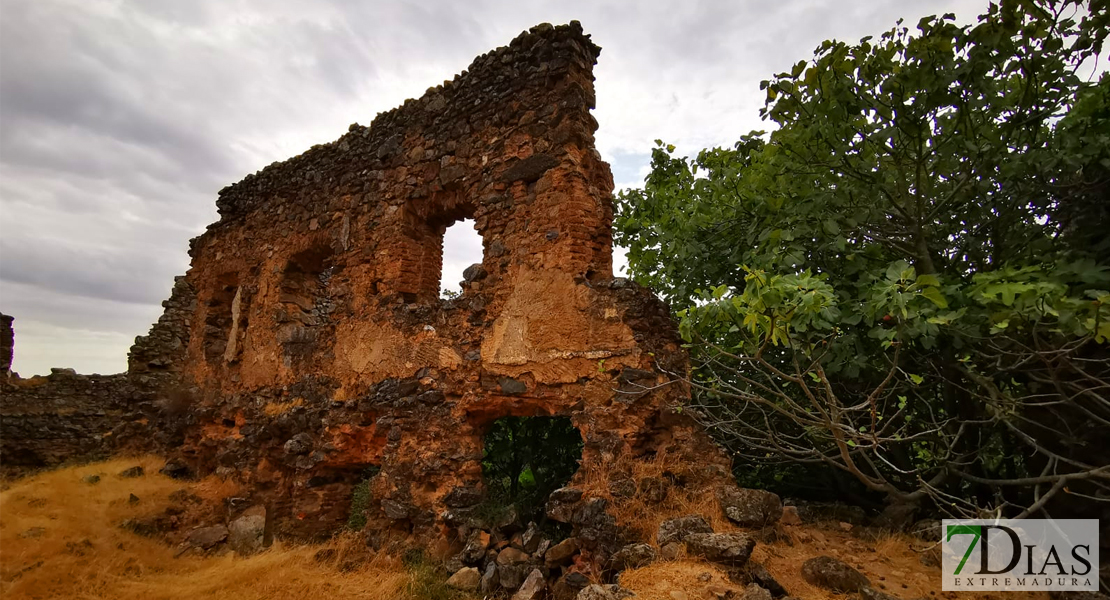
<point>934,295</point>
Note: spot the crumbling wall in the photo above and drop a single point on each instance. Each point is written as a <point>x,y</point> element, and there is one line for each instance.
<point>64,417</point>
<point>7,344</point>
<point>319,344</point>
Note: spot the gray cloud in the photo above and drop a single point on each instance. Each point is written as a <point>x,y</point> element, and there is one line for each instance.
<point>120,120</point>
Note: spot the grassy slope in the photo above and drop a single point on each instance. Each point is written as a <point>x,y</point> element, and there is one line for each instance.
<point>59,539</point>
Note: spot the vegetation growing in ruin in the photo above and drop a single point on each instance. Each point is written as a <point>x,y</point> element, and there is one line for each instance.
<point>907,283</point>
<point>361,499</point>
<point>527,458</point>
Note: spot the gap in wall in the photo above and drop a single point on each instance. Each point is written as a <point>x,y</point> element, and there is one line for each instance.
<point>462,247</point>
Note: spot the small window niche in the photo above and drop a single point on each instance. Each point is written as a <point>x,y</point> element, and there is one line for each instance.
<point>225,321</point>
<point>305,302</point>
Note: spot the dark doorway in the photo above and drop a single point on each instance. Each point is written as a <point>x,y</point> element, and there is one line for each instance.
<point>527,458</point>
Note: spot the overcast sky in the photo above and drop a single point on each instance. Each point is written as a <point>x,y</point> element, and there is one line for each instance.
<point>120,120</point>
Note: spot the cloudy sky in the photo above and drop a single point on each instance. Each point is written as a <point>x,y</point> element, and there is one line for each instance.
<point>121,119</point>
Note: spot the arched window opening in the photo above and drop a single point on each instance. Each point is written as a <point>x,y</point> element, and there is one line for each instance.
<point>462,247</point>
<point>305,301</point>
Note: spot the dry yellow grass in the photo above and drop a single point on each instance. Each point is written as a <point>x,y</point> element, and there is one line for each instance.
<point>59,539</point>
<point>642,516</point>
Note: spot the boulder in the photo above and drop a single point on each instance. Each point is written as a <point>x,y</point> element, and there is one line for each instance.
<point>561,553</point>
<point>832,574</point>
<point>531,538</point>
<point>568,586</point>
<point>91,479</point>
<point>633,556</point>
<point>604,592</point>
<point>759,574</point>
<point>206,537</point>
<point>475,549</point>
<point>561,504</point>
<point>175,469</point>
<point>490,580</point>
<point>512,576</point>
<point>512,556</point>
<point>465,579</point>
<point>245,534</point>
<point>725,548</point>
<point>131,473</point>
<point>753,592</point>
<point>749,508</point>
<point>532,588</point>
<point>790,516</point>
<point>676,530</point>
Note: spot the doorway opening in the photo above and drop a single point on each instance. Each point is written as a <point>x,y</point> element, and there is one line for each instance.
<point>527,458</point>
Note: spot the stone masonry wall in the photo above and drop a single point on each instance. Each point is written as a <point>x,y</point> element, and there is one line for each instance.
<point>319,345</point>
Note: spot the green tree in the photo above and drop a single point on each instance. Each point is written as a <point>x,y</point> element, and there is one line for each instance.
<point>898,281</point>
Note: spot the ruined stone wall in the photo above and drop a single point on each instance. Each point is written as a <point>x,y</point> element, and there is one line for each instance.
<point>7,344</point>
<point>45,421</point>
<point>319,344</point>
<point>65,417</point>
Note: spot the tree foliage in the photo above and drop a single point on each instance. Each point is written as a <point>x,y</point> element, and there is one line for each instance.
<point>907,280</point>
<point>527,458</point>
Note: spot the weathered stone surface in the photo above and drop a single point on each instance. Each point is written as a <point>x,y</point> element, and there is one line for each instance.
<point>245,533</point>
<point>206,537</point>
<point>604,592</point>
<point>175,469</point>
<point>759,574</point>
<point>490,580</point>
<point>568,586</point>
<point>132,472</point>
<point>512,576</point>
<point>562,552</point>
<point>633,556</point>
<point>512,556</point>
<point>749,508</point>
<point>833,574</point>
<point>726,548</point>
<point>466,579</point>
<point>475,549</point>
<point>7,344</point>
<point>532,588</point>
<point>677,529</point>
<point>790,516</point>
<point>754,592</point>
<point>463,496</point>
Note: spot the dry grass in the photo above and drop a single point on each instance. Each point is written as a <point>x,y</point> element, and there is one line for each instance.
<point>59,539</point>
<point>644,517</point>
<point>891,561</point>
<point>658,580</point>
